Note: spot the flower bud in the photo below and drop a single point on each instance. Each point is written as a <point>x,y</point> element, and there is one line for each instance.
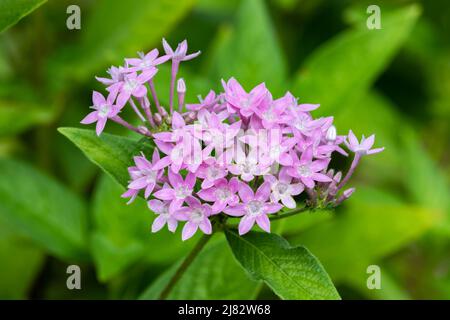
<point>158,119</point>
<point>181,86</point>
<point>331,134</point>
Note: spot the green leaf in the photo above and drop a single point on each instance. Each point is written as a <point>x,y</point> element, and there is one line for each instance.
<point>16,117</point>
<point>252,54</point>
<point>291,272</point>
<point>21,262</point>
<point>121,233</point>
<point>114,154</point>
<point>11,11</point>
<point>214,274</point>
<point>341,71</point>
<point>42,209</point>
<point>105,41</point>
<point>360,236</point>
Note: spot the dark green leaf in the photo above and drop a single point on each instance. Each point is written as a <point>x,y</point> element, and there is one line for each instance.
<point>360,236</point>
<point>114,154</point>
<point>42,209</point>
<point>291,272</point>
<point>21,262</point>
<point>12,11</point>
<point>214,274</point>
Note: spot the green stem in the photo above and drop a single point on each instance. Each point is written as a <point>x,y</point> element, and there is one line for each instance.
<point>184,266</point>
<point>290,213</point>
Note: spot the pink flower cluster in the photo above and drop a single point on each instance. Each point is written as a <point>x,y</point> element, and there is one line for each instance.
<point>234,153</point>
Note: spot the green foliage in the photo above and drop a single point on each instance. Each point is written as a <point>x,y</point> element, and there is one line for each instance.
<point>21,261</point>
<point>291,272</point>
<point>121,236</point>
<point>105,41</point>
<point>252,54</point>
<point>351,241</point>
<point>43,209</point>
<point>341,71</point>
<point>214,274</point>
<point>18,117</point>
<point>114,154</point>
<point>11,11</point>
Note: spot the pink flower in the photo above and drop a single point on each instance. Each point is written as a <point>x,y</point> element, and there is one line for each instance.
<point>307,170</point>
<point>248,166</point>
<point>145,62</point>
<point>283,189</point>
<point>196,216</point>
<point>132,85</point>
<point>164,216</point>
<point>206,103</point>
<point>104,110</point>
<point>362,147</point>
<point>255,208</point>
<point>116,73</point>
<point>180,52</point>
<point>177,191</point>
<point>240,101</point>
<point>144,176</point>
<point>210,171</point>
<point>223,193</point>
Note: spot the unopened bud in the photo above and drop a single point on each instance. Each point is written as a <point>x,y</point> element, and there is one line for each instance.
<point>345,195</point>
<point>158,119</point>
<point>181,86</point>
<point>144,130</point>
<point>331,134</point>
<point>338,177</point>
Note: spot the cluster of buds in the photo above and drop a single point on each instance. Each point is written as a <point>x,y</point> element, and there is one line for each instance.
<point>232,154</point>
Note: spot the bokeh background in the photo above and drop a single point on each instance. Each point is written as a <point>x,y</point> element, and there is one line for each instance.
<point>58,209</point>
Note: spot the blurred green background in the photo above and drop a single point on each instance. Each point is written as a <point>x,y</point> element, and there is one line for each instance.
<point>58,209</point>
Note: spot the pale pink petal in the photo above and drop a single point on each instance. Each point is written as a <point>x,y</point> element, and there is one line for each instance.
<point>206,226</point>
<point>90,118</point>
<point>289,202</point>
<point>165,194</point>
<point>246,224</point>
<point>245,192</point>
<point>158,223</point>
<point>189,230</point>
<point>235,211</point>
<point>263,222</point>
<point>100,125</point>
<point>263,192</point>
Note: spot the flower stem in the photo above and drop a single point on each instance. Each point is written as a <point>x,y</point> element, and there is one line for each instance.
<point>175,65</point>
<point>350,171</point>
<point>290,213</point>
<point>184,265</point>
<point>129,126</point>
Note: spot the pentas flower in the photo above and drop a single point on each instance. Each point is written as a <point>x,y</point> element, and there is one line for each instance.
<point>254,208</point>
<point>240,101</point>
<point>237,154</point>
<point>363,147</point>
<point>145,62</point>
<point>196,215</point>
<point>143,175</point>
<point>283,189</point>
<point>165,217</point>
<point>307,170</point>
<point>177,191</point>
<point>104,110</point>
<point>222,193</point>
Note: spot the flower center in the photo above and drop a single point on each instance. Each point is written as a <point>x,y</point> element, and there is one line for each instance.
<point>197,215</point>
<point>304,171</point>
<point>130,85</point>
<point>223,194</point>
<point>182,192</point>
<point>282,188</point>
<point>254,208</point>
<point>103,111</point>
<point>151,176</point>
<point>213,172</point>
